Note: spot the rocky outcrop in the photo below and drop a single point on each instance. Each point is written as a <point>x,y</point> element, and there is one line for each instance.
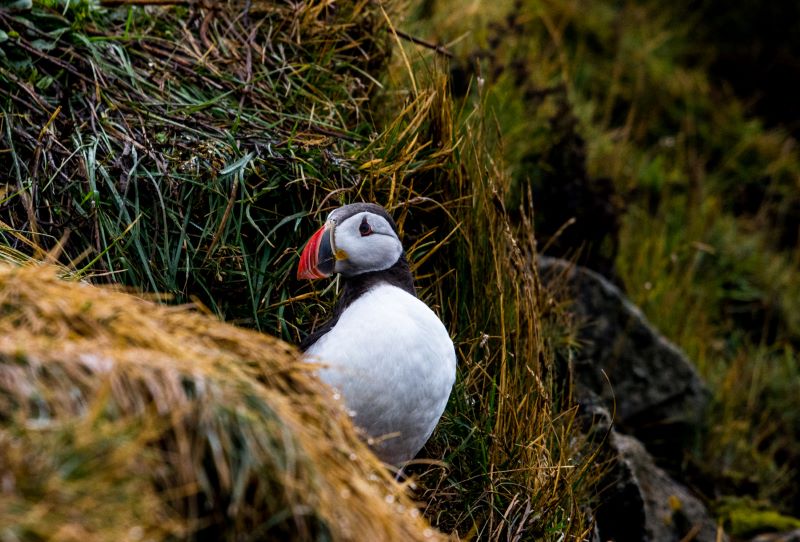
<point>671,511</point>
<point>649,385</point>
<point>627,368</point>
<point>637,500</point>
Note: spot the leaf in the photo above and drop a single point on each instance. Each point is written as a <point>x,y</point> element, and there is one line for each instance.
<point>238,165</point>
<point>16,5</point>
<point>43,45</point>
<point>285,220</point>
<point>45,82</point>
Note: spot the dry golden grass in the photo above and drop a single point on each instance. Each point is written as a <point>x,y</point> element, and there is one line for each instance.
<point>124,420</point>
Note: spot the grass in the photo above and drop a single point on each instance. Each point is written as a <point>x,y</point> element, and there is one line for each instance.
<point>694,199</point>
<point>515,465</point>
<point>189,151</point>
<point>129,420</point>
<point>201,147</point>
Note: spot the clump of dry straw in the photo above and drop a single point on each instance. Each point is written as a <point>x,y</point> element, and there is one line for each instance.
<point>121,419</point>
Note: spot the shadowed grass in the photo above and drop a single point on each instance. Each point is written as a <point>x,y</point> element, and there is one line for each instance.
<point>185,145</point>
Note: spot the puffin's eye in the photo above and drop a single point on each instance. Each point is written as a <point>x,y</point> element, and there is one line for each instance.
<point>364,228</point>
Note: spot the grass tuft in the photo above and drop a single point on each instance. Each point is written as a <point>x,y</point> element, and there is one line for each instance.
<point>122,419</point>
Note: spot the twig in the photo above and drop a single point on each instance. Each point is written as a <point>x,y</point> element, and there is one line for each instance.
<point>58,62</point>
<point>333,133</point>
<point>441,49</point>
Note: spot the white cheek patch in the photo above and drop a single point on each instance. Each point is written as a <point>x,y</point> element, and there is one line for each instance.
<point>375,252</point>
<point>364,253</point>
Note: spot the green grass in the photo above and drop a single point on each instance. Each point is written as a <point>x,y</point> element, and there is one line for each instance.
<point>705,197</point>
<point>187,168</point>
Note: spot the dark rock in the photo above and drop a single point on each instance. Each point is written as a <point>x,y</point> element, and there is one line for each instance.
<point>582,216</point>
<point>671,512</point>
<point>619,495</point>
<point>638,501</point>
<point>645,380</point>
<point>626,367</point>
<point>791,536</point>
<point>621,514</point>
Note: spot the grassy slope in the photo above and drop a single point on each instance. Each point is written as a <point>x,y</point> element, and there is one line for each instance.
<point>707,241</point>
<point>192,153</point>
<point>192,165</point>
<point>186,148</point>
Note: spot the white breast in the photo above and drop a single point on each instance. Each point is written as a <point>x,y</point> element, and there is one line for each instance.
<point>394,364</point>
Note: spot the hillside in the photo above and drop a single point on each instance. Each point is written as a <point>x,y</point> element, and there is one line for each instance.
<point>185,150</point>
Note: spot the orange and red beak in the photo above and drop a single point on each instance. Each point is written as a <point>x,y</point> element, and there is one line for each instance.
<point>318,258</point>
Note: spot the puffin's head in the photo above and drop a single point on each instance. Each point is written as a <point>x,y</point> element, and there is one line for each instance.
<point>356,238</point>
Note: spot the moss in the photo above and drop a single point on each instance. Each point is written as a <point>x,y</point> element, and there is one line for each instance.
<point>744,518</point>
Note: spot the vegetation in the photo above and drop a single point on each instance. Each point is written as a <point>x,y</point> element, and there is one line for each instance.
<point>126,420</point>
<point>646,168</point>
<point>188,150</point>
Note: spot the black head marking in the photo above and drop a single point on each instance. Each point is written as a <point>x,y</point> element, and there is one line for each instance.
<point>346,211</point>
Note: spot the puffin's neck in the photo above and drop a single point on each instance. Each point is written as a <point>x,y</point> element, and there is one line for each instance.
<point>398,275</point>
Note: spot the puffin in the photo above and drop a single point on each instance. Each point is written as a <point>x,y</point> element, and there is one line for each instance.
<point>383,351</point>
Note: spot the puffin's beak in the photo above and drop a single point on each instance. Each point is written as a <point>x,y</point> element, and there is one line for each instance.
<point>317,260</point>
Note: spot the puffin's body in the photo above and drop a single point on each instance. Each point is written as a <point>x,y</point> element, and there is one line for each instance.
<point>384,350</point>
